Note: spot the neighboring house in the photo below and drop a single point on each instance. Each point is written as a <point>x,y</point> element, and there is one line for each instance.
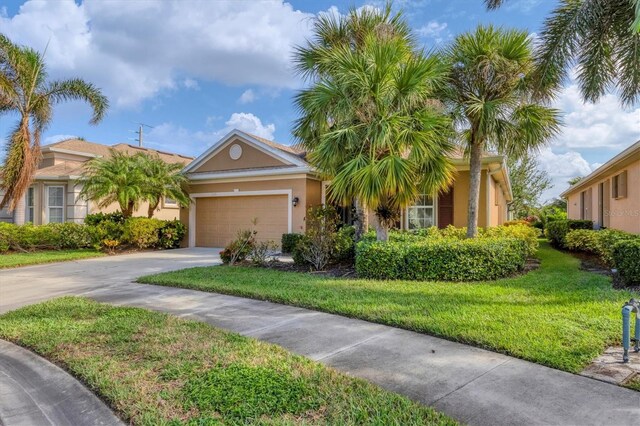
<point>54,194</point>
<point>243,177</point>
<point>610,196</point>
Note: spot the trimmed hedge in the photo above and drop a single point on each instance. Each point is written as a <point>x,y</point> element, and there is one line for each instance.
<point>626,257</point>
<point>444,259</point>
<point>557,230</point>
<point>290,241</point>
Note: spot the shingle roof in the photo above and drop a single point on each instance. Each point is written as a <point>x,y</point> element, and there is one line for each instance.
<point>290,149</point>
<point>104,150</point>
<point>62,169</point>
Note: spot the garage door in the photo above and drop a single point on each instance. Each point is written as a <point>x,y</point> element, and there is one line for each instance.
<point>218,219</point>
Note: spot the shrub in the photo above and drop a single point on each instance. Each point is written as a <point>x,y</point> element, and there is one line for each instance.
<point>447,259</point>
<point>526,233</point>
<point>71,235</point>
<point>452,232</point>
<point>344,245</point>
<point>626,258</point>
<point>320,237</point>
<point>584,240</point>
<point>263,253</point>
<point>289,242</point>
<point>607,240</point>
<point>98,218</point>
<point>238,249</point>
<point>556,230</point>
<point>142,232</point>
<point>109,245</point>
<point>109,230</point>
<point>518,222</point>
<point>172,233</point>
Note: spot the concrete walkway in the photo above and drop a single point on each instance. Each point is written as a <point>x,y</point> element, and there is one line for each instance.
<point>35,392</point>
<point>470,384</point>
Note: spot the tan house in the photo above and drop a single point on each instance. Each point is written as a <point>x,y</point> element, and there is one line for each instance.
<point>54,194</point>
<point>610,196</point>
<point>243,177</point>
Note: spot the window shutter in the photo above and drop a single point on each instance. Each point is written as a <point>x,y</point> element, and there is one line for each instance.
<point>622,184</point>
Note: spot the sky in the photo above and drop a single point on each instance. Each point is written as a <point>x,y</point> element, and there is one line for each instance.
<point>193,70</point>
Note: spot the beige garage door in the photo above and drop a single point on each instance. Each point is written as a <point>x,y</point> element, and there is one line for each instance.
<point>218,219</point>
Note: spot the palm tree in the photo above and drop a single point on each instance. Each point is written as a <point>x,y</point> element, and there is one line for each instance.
<point>119,178</point>
<point>600,37</point>
<point>369,120</point>
<point>163,180</point>
<point>490,96</point>
<point>24,89</point>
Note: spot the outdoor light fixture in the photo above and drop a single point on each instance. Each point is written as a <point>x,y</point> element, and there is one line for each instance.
<point>295,201</point>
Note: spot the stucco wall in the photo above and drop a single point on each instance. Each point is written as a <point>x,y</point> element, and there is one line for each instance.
<point>622,213</point>
<point>250,158</point>
<point>164,213</point>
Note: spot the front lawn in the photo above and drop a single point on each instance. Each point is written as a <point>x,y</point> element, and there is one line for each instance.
<point>14,259</point>
<point>153,368</point>
<point>556,315</point>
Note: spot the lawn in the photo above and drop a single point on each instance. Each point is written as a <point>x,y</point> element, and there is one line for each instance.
<point>153,368</point>
<point>557,315</point>
<point>12,260</point>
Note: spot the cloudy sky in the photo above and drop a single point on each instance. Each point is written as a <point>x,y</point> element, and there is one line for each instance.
<point>193,70</point>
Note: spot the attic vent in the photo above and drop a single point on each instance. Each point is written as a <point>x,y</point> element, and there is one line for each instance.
<point>235,151</point>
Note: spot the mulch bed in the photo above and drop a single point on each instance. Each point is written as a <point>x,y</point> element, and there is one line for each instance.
<point>331,271</point>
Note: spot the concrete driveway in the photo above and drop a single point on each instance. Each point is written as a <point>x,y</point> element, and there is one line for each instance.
<point>470,384</point>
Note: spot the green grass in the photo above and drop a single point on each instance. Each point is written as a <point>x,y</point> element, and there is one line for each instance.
<point>156,369</point>
<point>634,383</point>
<point>13,260</point>
<point>556,315</point>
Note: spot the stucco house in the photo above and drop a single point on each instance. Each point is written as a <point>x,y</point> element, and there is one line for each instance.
<point>54,194</point>
<point>610,195</point>
<point>243,177</point>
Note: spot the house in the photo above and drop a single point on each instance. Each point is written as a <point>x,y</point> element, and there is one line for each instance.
<point>243,178</point>
<point>54,194</point>
<point>610,195</point>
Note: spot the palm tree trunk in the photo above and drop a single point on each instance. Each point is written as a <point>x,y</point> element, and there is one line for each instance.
<point>382,233</point>
<point>475,171</point>
<point>360,225</point>
<point>127,211</point>
<point>152,209</point>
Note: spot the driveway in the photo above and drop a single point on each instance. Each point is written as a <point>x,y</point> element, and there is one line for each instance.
<point>470,384</point>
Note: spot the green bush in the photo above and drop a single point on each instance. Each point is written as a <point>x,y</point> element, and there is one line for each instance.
<point>238,249</point>
<point>524,232</point>
<point>608,238</point>
<point>172,233</point>
<point>289,242</point>
<point>626,258</point>
<point>98,218</point>
<point>444,259</point>
<point>584,240</point>
<point>344,245</point>
<point>7,234</point>
<point>556,230</point>
<point>142,232</point>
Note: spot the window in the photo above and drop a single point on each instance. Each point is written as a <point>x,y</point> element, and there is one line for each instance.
<point>30,205</point>
<point>55,204</point>
<point>421,215</point>
<point>619,185</point>
<point>168,201</point>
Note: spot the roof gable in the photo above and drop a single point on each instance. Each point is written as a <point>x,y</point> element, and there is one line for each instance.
<point>254,153</point>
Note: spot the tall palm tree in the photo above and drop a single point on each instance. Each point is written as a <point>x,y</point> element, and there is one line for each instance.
<point>120,178</point>
<point>601,38</point>
<point>163,180</point>
<point>369,120</point>
<point>490,96</point>
<point>24,89</point>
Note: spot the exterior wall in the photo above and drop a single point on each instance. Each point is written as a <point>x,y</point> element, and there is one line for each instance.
<point>76,207</point>
<point>250,158</point>
<point>298,186</point>
<point>621,213</point>
<point>164,213</point>
<point>461,199</point>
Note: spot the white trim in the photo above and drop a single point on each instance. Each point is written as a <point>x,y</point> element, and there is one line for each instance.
<point>405,211</point>
<point>194,197</point>
<point>235,133</point>
<point>61,177</point>
<point>323,191</point>
<point>46,202</point>
<point>247,173</point>
<point>253,179</point>
<point>488,199</point>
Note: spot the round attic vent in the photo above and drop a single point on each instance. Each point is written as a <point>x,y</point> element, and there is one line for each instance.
<point>235,151</point>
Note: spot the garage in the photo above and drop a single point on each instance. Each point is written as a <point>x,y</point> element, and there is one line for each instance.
<point>218,219</point>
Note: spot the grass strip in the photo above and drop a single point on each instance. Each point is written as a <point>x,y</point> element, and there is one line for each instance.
<point>12,260</point>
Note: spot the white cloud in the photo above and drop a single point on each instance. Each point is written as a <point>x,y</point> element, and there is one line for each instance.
<point>135,49</point>
<point>561,168</point>
<point>601,125</point>
<point>523,5</point>
<point>171,137</point>
<point>191,84</point>
<point>247,97</point>
<point>434,30</point>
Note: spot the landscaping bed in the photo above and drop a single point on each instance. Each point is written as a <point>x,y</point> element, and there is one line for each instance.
<point>153,368</point>
<point>556,315</point>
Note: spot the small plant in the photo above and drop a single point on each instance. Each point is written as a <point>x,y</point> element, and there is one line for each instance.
<point>290,241</point>
<point>110,245</point>
<point>142,232</point>
<point>240,248</point>
<point>319,241</point>
<point>263,253</point>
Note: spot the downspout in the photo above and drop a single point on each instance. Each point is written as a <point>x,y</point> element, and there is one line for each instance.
<point>488,207</point>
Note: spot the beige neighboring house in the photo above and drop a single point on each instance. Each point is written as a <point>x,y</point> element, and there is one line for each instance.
<point>610,196</point>
<point>54,194</point>
<point>243,177</point>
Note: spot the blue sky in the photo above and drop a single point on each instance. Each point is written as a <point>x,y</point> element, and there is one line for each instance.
<point>195,69</point>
